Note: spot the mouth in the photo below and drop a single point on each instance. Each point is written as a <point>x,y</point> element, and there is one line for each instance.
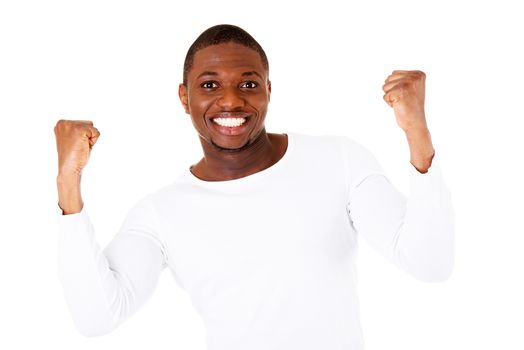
<point>230,123</point>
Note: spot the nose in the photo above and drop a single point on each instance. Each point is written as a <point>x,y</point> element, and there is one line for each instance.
<point>230,99</point>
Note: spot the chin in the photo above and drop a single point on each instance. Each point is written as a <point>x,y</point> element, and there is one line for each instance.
<point>230,149</point>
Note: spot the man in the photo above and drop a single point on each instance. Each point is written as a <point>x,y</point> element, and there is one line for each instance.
<point>262,231</point>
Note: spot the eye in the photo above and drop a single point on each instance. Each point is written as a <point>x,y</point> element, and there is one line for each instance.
<point>249,85</point>
<point>209,85</point>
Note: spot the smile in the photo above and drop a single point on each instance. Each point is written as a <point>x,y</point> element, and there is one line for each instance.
<point>229,122</point>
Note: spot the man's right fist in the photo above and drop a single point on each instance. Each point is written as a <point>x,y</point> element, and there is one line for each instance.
<point>74,140</point>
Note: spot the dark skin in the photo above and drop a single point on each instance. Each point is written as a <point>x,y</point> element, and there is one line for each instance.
<point>229,80</point>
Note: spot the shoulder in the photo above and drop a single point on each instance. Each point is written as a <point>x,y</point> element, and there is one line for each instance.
<point>335,142</point>
<point>358,161</point>
<point>318,144</point>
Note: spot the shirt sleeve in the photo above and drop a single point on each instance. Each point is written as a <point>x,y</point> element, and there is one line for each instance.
<point>105,287</point>
<point>416,233</point>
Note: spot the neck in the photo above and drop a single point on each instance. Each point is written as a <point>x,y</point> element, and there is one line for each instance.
<point>221,164</point>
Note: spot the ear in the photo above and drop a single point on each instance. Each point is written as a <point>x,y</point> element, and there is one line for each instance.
<point>182,94</point>
<point>269,90</point>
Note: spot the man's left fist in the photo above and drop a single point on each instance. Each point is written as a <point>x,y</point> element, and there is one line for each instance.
<point>405,91</point>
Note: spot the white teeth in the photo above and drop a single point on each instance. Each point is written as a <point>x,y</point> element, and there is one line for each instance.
<point>230,122</point>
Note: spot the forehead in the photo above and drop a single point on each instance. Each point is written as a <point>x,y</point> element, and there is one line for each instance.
<point>226,57</point>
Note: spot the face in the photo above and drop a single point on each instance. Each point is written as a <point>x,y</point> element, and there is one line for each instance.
<point>227,95</point>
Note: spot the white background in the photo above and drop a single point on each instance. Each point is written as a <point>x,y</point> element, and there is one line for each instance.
<point>119,64</point>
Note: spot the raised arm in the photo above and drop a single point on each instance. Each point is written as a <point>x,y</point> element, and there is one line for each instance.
<point>414,232</point>
<point>101,288</point>
<point>405,92</point>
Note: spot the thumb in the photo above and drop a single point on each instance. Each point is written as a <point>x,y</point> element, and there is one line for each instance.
<point>391,98</point>
<point>93,135</point>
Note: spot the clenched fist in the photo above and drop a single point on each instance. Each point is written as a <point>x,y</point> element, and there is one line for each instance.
<point>405,92</point>
<point>74,141</point>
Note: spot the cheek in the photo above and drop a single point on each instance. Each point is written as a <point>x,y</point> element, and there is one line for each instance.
<point>200,104</point>
<point>260,103</point>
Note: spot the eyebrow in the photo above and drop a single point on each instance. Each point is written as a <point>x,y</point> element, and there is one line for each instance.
<point>245,74</point>
<point>207,73</point>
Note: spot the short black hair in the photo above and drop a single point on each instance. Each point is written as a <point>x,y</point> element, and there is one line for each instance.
<point>220,34</point>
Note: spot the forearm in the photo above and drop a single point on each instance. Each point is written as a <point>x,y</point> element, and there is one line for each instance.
<point>426,238</point>
<point>420,148</point>
<point>69,194</point>
<point>415,232</point>
<point>105,287</point>
<point>87,281</point>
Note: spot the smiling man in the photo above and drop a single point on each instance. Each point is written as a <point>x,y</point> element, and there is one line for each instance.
<point>226,91</point>
<point>262,232</point>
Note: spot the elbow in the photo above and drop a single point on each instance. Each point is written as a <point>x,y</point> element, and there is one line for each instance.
<point>92,320</point>
<point>432,260</point>
<point>434,273</point>
<point>433,268</point>
<point>430,267</point>
<point>91,332</point>
<point>93,329</point>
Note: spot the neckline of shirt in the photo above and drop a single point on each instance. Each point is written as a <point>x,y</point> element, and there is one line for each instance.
<point>250,178</point>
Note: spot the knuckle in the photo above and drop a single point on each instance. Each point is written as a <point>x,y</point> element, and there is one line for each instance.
<point>404,85</point>
<point>60,125</point>
<point>402,90</point>
<point>419,74</point>
<point>78,127</point>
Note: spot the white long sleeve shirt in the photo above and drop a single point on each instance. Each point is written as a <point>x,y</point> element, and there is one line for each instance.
<point>268,259</point>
